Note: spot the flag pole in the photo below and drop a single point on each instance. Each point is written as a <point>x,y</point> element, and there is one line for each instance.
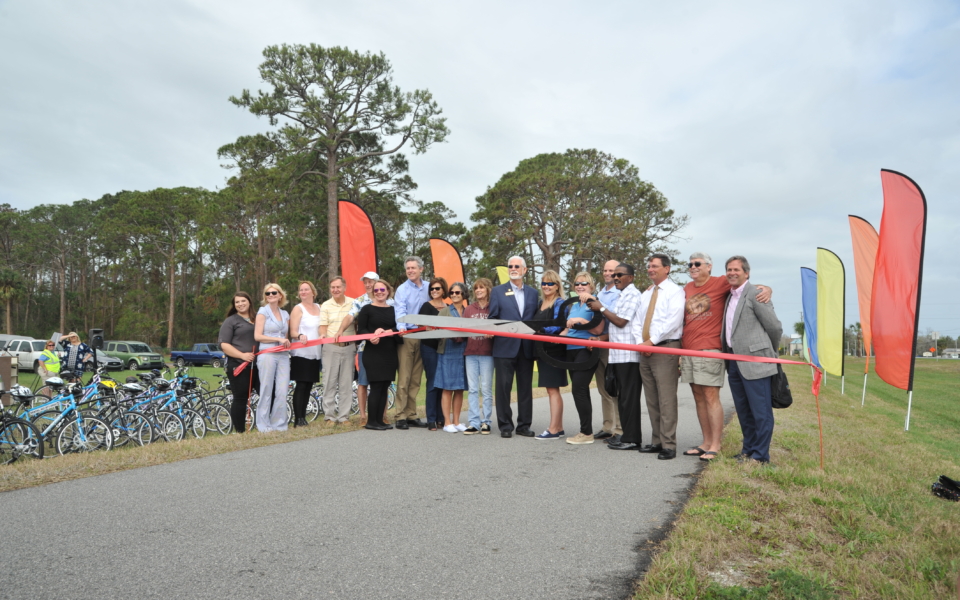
<point>906,426</point>
<point>863,398</point>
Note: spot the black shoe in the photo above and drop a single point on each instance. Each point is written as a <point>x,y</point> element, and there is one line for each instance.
<point>602,435</point>
<point>506,434</point>
<point>648,449</point>
<point>416,423</point>
<point>296,423</point>
<point>614,439</point>
<point>622,446</point>
<point>667,454</point>
<point>471,431</point>
<point>432,426</point>
<point>402,424</point>
<point>377,427</point>
<point>484,429</point>
<point>525,432</point>
<point>302,421</point>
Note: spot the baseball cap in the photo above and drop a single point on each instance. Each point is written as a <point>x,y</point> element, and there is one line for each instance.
<point>369,275</point>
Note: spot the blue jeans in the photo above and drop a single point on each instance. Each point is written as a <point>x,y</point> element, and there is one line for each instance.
<point>480,379</point>
<point>430,357</point>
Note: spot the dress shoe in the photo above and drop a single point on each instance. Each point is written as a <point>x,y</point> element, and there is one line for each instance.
<point>667,454</point>
<point>525,433</point>
<point>622,446</point>
<point>402,424</point>
<point>416,423</point>
<point>432,425</point>
<point>614,439</point>
<point>301,422</point>
<point>506,434</point>
<point>602,435</point>
<point>648,449</point>
<point>377,427</point>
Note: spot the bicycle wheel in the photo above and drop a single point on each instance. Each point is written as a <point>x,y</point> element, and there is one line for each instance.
<point>355,401</point>
<point>131,426</point>
<point>42,422</point>
<point>220,417</point>
<point>88,435</point>
<point>170,426</point>
<point>194,422</point>
<point>391,395</point>
<point>19,438</point>
<point>313,409</point>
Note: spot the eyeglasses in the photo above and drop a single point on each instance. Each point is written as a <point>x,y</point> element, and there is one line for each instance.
<point>271,293</point>
<point>379,290</point>
<point>436,289</point>
<point>695,263</point>
<point>548,283</point>
<point>619,275</point>
<point>515,266</point>
<point>455,293</point>
<point>49,345</point>
<point>581,284</point>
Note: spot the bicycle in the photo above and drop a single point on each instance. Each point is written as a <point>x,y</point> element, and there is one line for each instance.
<point>19,437</point>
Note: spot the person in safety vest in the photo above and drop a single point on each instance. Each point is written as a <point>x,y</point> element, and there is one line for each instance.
<point>49,362</point>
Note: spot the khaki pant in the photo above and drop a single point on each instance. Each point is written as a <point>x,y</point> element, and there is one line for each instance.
<point>409,374</point>
<point>660,374</point>
<point>611,410</point>
<point>338,379</point>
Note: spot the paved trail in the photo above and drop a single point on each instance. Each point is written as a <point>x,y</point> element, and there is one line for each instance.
<point>397,514</point>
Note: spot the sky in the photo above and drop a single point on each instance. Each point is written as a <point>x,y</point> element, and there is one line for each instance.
<point>766,123</point>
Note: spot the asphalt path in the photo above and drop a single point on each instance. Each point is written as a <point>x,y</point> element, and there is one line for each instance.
<point>396,514</point>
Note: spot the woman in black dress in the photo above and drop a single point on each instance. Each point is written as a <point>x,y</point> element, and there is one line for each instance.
<point>428,352</point>
<point>236,341</point>
<point>380,354</point>
<point>551,377</point>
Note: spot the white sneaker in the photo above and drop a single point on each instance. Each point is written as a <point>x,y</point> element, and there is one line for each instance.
<point>461,427</point>
<point>450,428</point>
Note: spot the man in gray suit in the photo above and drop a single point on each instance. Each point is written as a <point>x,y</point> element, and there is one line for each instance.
<point>750,328</point>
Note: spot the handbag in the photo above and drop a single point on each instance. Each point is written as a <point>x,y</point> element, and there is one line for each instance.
<point>610,383</point>
<point>780,395</point>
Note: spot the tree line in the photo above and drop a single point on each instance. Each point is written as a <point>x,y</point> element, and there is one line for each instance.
<point>161,265</point>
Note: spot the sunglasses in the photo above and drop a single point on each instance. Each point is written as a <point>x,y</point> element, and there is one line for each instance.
<point>49,345</point>
<point>271,293</point>
<point>436,289</point>
<point>379,290</point>
<point>581,284</point>
<point>455,293</point>
<point>515,267</point>
<point>619,275</point>
<point>548,283</point>
<point>695,263</point>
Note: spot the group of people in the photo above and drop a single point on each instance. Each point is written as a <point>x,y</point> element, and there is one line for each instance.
<point>710,314</point>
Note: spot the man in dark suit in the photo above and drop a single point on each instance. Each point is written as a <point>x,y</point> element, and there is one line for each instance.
<point>511,356</point>
<point>750,328</point>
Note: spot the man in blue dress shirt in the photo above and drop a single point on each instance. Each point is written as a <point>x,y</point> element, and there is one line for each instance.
<point>410,296</point>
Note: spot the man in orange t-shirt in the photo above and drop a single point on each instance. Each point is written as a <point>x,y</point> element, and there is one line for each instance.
<point>702,321</point>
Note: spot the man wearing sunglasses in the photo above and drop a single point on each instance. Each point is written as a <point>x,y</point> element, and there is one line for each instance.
<point>625,363</point>
<point>512,357</point>
<point>703,320</point>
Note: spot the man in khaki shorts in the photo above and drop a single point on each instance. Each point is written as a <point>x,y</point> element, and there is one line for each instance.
<point>702,322</point>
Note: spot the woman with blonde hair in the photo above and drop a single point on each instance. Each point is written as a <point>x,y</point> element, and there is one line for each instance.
<point>304,362</point>
<point>271,330</point>
<point>579,315</point>
<point>552,378</point>
<point>380,355</point>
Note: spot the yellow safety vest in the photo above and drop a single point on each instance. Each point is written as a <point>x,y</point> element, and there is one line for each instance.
<point>53,362</point>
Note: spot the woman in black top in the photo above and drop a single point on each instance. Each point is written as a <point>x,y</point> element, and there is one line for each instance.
<point>379,354</point>
<point>236,341</point>
<point>428,352</point>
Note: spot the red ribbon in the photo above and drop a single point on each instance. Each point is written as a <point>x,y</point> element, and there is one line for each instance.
<point>321,341</point>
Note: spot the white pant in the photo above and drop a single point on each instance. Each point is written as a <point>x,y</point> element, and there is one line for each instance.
<point>274,371</point>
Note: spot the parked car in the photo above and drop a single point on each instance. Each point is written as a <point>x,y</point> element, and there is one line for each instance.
<point>26,349</point>
<point>105,360</point>
<point>202,354</point>
<point>134,355</point>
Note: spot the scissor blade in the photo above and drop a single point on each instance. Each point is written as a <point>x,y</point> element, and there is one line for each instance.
<point>437,321</point>
<point>437,334</point>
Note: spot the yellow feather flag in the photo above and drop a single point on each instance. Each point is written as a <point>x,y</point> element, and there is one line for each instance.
<point>503,275</point>
<point>831,286</point>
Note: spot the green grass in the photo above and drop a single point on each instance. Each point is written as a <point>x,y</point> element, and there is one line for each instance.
<point>865,527</point>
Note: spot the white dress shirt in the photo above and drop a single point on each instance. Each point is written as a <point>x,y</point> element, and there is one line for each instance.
<point>667,322</point>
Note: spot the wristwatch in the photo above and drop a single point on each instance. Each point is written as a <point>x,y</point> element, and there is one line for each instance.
<point>603,309</point>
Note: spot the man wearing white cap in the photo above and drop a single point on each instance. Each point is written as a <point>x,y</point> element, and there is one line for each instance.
<point>369,278</point>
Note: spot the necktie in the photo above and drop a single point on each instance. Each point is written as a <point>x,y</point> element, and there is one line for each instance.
<point>649,315</point>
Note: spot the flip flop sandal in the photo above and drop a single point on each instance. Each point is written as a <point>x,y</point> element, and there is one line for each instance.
<point>698,451</point>
<point>712,456</point>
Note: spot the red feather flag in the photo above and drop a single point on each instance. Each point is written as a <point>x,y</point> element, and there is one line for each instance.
<point>895,302</point>
<point>865,241</point>
<point>358,246</point>
<point>446,261</point>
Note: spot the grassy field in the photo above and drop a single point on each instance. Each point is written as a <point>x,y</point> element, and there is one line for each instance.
<point>866,526</point>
